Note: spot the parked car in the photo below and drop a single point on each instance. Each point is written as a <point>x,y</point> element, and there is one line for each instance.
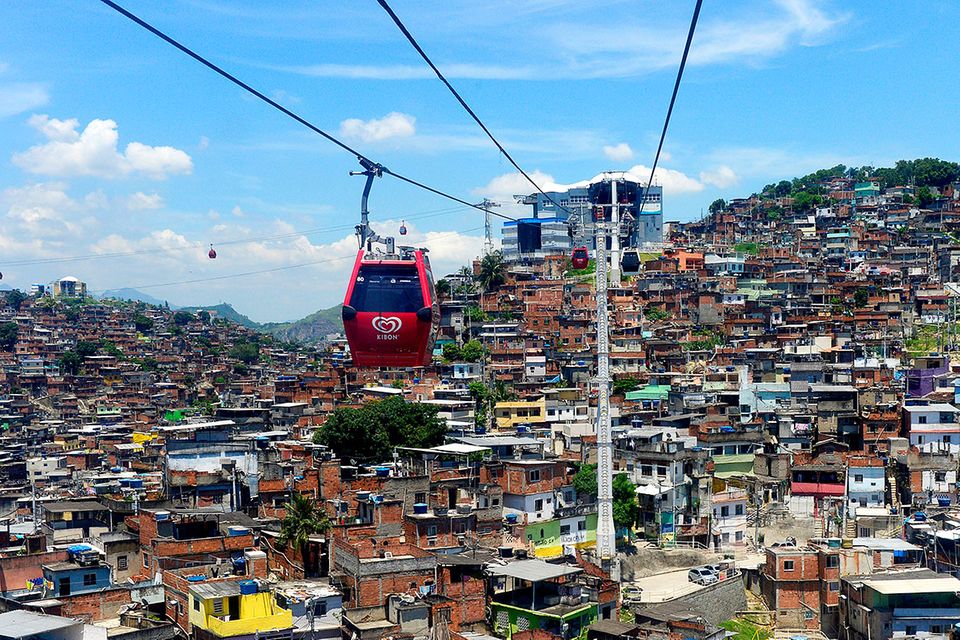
<point>631,594</point>
<point>702,575</point>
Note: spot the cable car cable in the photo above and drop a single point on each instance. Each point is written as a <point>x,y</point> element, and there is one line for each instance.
<point>463,103</point>
<point>272,269</point>
<point>276,105</point>
<point>198,245</point>
<point>673,99</point>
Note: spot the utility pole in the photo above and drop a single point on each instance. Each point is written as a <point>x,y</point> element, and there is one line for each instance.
<point>606,533</point>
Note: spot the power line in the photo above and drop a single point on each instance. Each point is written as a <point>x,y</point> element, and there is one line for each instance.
<point>463,103</point>
<point>673,99</point>
<point>199,245</point>
<point>276,105</point>
<point>273,269</point>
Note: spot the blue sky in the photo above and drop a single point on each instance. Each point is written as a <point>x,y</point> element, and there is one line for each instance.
<point>113,142</point>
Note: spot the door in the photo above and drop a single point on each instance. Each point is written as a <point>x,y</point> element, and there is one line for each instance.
<point>65,586</point>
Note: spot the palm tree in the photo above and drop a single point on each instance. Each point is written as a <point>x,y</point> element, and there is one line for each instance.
<point>303,519</point>
<point>443,288</point>
<point>492,272</point>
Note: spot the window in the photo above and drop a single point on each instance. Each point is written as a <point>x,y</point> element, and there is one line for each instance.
<point>538,504</point>
<point>382,288</point>
<point>432,531</point>
<point>581,525</point>
<point>940,476</point>
<point>218,607</point>
<point>739,510</point>
<point>834,586</point>
<point>146,560</point>
<point>739,536</point>
<point>89,579</point>
<point>121,563</point>
<point>724,511</point>
<point>646,470</point>
<point>858,477</point>
<point>420,497</point>
<point>196,604</point>
<point>564,529</point>
<point>833,562</point>
<point>921,419</point>
<point>946,439</point>
<point>534,475</point>
<point>495,502</point>
<point>460,525</point>
<point>788,565</point>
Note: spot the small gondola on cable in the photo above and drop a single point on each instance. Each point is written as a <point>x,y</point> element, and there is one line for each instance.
<point>390,311</point>
<point>212,254</point>
<point>630,262</point>
<point>580,258</point>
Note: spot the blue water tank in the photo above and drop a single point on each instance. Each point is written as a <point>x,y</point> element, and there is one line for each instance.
<point>382,472</point>
<point>420,508</point>
<point>196,578</point>
<point>511,518</point>
<point>248,587</point>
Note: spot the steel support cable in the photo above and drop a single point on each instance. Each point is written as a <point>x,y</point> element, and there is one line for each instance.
<point>276,105</point>
<point>463,103</point>
<point>673,99</point>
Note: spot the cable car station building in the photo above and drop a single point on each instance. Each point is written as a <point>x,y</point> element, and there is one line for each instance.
<point>548,231</point>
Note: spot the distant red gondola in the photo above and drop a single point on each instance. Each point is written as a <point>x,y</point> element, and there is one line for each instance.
<point>403,228</point>
<point>390,313</point>
<point>212,254</point>
<point>580,258</point>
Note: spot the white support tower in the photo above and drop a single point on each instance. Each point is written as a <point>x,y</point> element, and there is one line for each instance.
<point>606,533</point>
<point>488,236</point>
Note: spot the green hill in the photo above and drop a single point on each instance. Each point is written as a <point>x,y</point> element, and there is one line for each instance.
<point>227,312</point>
<point>309,329</point>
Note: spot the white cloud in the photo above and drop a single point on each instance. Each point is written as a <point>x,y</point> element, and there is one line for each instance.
<point>94,152</point>
<point>238,212</point>
<point>618,152</point>
<point>141,201</point>
<point>20,97</point>
<point>40,210</point>
<point>409,72</point>
<point>204,143</point>
<point>721,177</point>
<point>392,125</point>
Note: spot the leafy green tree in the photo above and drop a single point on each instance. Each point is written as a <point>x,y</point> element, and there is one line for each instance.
<point>70,362</point>
<point>625,507</point>
<point>585,481</point>
<point>8,335</point>
<point>204,316</point>
<point>472,351</point>
<point>782,189</point>
<point>15,298</point>
<point>111,349</point>
<point>492,271</point>
<point>804,201</point>
<point>924,196</point>
<point>451,352</point>
<point>246,352</point>
<point>369,433</point>
<point>85,348</point>
<point>718,205</point>
<point>623,386</point>
<point>303,518</point>
<point>142,323</point>
<point>861,297</point>
<point>182,318</point>
<point>480,397</point>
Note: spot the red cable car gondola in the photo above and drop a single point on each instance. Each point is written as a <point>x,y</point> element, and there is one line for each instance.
<point>403,228</point>
<point>580,258</point>
<point>390,313</point>
<point>212,254</point>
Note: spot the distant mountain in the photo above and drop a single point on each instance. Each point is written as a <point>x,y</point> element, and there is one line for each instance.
<point>227,312</point>
<point>313,328</point>
<point>136,296</point>
<point>5,287</point>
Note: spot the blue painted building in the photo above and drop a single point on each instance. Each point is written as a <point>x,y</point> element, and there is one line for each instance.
<point>70,578</point>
